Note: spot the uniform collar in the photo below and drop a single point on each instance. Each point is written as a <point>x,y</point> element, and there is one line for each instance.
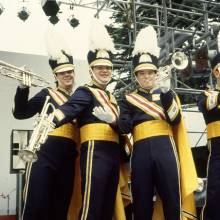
<point>147,91</point>
<point>65,91</point>
<point>95,85</point>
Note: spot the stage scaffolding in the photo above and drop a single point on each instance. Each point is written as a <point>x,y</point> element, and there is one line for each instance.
<point>201,27</point>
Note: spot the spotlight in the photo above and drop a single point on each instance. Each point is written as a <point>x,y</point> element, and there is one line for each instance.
<point>1,9</point>
<point>50,7</point>
<point>23,14</point>
<point>53,19</point>
<point>73,21</point>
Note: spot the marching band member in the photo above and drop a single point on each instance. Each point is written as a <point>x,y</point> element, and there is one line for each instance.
<point>208,104</point>
<point>49,180</point>
<point>151,114</point>
<point>96,111</point>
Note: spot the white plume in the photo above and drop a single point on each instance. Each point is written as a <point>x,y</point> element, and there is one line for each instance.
<point>43,2</point>
<point>99,37</point>
<point>218,41</point>
<point>146,42</point>
<point>55,44</point>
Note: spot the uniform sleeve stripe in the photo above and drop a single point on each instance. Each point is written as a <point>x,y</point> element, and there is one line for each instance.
<point>212,101</point>
<point>59,115</point>
<point>173,110</point>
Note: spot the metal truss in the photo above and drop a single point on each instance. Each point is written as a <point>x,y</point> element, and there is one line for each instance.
<point>201,26</point>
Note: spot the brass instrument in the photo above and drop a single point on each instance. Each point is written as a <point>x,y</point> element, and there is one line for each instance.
<point>178,61</point>
<point>42,126</point>
<point>17,73</point>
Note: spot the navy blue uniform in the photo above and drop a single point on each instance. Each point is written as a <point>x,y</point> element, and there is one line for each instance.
<point>100,152</point>
<point>154,163</point>
<point>209,105</point>
<point>49,180</point>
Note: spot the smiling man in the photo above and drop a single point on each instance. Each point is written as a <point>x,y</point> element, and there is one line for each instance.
<point>49,180</point>
<point>150,114</point>
<point>96,112</point>
<point>209,105</point>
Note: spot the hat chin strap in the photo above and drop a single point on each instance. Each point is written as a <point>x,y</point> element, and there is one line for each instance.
<point>138,81</point>
<point>97,80</point>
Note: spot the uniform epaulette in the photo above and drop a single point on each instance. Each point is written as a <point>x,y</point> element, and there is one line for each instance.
<point>173,92</point>
<point>134,92</point>
<point>88,84</point>
<point>85,86</point>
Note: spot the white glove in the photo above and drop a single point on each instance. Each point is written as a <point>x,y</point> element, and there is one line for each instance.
<point>164,85</point>
<point>26,81</point>
<point>200,186</point>
<point>104,115</point>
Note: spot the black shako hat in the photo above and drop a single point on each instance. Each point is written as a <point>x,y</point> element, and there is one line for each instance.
<point>59,53</point>
<point>101,46</point>
<point>145,61</point>
<point>146,51</point>
<point>100,57</point>
<point>62,65</point>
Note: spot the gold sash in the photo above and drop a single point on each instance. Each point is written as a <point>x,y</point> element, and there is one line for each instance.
<point>67,130</point>
<point>213,129</point>
<point>103,99</point>
<point>148,107</point>
<point>98,131</point>
<point>151,128</point>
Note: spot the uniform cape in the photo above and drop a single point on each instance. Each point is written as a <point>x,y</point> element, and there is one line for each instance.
<point>188,175</point>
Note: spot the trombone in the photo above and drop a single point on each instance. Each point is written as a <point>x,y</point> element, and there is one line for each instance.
<point>17,73</point>
<point>43,124</point>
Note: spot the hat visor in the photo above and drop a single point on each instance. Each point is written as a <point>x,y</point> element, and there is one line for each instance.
<point>63,68</point>
<point>145,66</point>
<point>101,62</point>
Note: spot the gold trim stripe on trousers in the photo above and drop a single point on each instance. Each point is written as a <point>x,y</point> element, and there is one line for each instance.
<point>86,199</point>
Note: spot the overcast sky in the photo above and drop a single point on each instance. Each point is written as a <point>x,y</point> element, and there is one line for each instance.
<point>28,37</point>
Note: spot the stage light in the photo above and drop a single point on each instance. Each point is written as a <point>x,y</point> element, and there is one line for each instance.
<point>50,7</point>
<point>23,14</point>
<point>73,21</point>
<point>201,59</point>
<point>1,9</point>
<point>53,19</point>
